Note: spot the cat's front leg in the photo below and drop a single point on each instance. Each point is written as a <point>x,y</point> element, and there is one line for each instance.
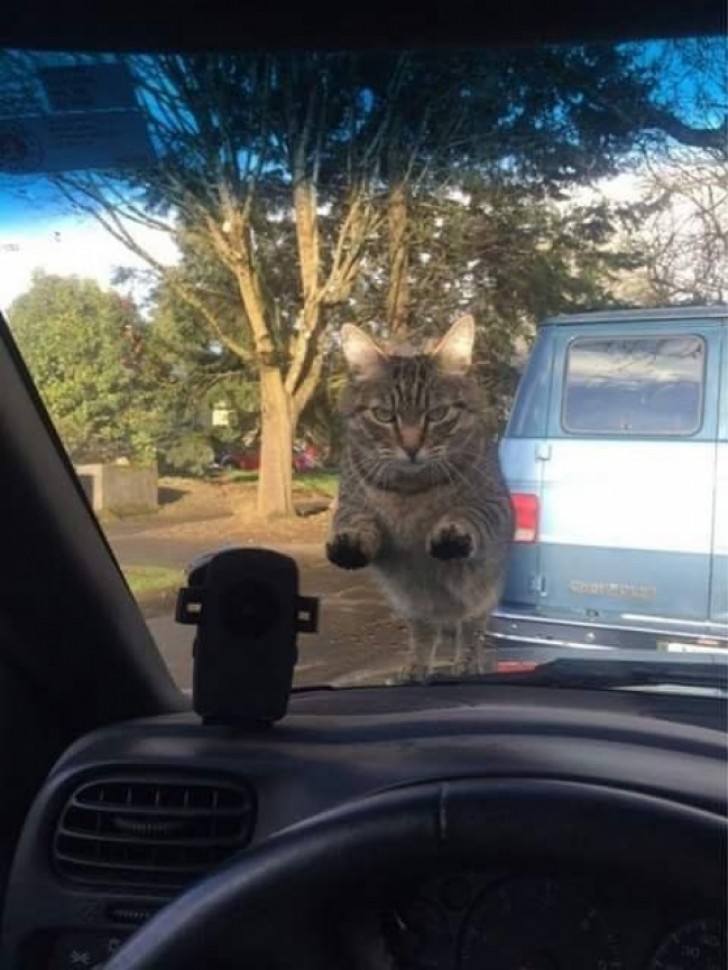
<point>354,541</point>
<point>454,536</point>
<point>424,641</point>
<point>475,652</point>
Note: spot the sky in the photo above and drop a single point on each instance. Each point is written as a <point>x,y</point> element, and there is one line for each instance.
<point>66,247</point>
<point>42,233</point>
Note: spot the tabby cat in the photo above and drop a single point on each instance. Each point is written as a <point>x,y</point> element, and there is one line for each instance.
<point>422,499</point>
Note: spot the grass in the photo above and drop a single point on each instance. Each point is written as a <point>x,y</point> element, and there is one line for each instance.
<point>236,475</point>
<point>321,482</point>
<point>108,516</point>
<point>150,580</point>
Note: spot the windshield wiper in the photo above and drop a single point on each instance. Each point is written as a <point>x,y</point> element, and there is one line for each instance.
<point>605,674</point>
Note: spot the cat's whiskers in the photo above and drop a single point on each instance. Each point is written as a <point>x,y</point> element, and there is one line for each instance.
<point>368,475</point>
<point>442,466</point>
<point>454,470</point>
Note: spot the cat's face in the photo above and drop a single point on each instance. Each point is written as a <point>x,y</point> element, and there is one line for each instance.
<point>412,419</point>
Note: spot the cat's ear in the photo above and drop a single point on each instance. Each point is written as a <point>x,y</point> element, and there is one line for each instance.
<point>364,359</point>
<point>454,353</point>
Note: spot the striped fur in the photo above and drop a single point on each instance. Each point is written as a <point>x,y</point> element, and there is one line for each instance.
<point>422,499</point>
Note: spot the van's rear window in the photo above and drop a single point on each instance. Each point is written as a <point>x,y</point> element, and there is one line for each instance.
<point>634,385</point>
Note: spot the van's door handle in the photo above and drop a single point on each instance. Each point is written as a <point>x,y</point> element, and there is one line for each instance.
<point>543,451</point>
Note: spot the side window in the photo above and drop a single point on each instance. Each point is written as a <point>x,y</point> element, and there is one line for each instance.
<point>634,385</point>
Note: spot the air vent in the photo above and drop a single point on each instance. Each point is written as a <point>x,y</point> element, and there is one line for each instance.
<point>161,833</point>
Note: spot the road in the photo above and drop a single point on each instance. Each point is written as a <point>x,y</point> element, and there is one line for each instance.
<point>358,638</point>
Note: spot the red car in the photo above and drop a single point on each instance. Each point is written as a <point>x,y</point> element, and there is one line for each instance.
<point>305,458</point>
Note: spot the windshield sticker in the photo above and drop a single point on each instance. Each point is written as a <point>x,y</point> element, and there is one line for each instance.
<point>88,87</point>
<point>66,143</point>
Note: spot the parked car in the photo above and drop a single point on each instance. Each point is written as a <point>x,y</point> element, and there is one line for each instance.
<point>305,458</point>
<point>616,454</point>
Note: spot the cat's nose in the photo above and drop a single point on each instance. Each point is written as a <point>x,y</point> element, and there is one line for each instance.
<point>410,437</point>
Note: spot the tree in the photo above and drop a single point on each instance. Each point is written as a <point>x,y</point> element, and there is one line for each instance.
<point>682,223</point>
<point>543,119</point>
<point>318,160</point>
<point>242,144</point>
<point>84,347</point>
<point>682,232</point>
<point>197,374</point>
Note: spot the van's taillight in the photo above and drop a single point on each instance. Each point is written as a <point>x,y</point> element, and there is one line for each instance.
<point>525,507</point>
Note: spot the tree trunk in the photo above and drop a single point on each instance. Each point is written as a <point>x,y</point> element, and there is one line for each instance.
<point>398,293</point>
<point>275,480</point>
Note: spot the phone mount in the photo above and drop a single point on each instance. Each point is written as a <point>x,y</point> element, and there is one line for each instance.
<point>248,612</point>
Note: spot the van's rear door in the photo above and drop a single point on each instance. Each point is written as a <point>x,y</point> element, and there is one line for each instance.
<point>719,581</point>
<point>628,487</point>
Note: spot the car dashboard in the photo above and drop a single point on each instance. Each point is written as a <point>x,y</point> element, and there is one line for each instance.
<point>134,813</point>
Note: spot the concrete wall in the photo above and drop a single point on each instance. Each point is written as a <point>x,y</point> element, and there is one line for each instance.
<point>123,489</point>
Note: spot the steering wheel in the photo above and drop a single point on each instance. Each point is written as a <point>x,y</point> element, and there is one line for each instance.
<point>279,896</point>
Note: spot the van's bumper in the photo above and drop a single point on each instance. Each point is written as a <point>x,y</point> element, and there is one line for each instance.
<point>510,628</point>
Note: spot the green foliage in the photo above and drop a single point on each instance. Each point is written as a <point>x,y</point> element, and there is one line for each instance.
<point>148,581</point>
<point>188,454</point>
<point>505,252</point>
<point>196,374</point>
<point>322,483</point>
<point>84,348</point>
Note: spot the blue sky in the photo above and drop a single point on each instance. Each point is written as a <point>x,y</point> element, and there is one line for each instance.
<point>25,200</point>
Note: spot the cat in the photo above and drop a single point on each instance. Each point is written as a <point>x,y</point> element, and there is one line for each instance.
<point>422,499</point>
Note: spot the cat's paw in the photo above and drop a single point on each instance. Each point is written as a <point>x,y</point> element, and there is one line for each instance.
<point>349,550</point>
<point>450,540</point>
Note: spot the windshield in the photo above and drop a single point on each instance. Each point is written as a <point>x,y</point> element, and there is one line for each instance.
<point>291,300</point>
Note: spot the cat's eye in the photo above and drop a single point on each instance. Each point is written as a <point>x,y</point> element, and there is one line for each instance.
<point>385,415</point>
<point>437,414</point>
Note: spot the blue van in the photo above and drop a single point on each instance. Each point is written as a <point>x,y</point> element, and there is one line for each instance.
<point>616,454</point>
